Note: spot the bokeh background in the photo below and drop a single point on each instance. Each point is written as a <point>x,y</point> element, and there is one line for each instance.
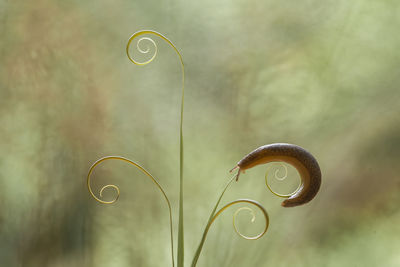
<point>320,74</point>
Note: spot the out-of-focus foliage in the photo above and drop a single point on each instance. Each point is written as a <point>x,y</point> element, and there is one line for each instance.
<point>320,74</point>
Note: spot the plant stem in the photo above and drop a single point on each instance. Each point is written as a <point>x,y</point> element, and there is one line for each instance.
<point>200,247</point>
<point>180,225</point>
<point>180,256</point>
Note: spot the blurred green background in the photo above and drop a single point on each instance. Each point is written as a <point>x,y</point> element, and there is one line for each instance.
<point>320,74</point>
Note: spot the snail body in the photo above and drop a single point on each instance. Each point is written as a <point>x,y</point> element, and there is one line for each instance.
<point>298,157</point>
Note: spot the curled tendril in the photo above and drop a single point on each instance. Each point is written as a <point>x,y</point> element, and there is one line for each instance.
<point>116,188</point>
<point>284,176</point>
<point>147,49</point>
<point>215,214</point>
<point>249,201</point>
<point>253,219</point>
<point>143,170</point>
<point>281,178</point>
<point>143,51</point>
<point>180,257</point>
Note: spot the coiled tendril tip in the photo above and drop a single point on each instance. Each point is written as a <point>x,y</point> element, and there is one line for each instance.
<point>281,178</point>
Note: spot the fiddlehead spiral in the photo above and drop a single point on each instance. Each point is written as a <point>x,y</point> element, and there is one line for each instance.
<point>281,178</point>
<point>144,171</point>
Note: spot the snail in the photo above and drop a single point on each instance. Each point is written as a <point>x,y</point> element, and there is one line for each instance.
<point>298,157</point>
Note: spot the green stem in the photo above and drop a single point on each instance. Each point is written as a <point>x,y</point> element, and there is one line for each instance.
<point>210,219</point>
<point>143,170</point>
<point>180,225</point>
<point>216,214</point>
<point>135,35</point>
